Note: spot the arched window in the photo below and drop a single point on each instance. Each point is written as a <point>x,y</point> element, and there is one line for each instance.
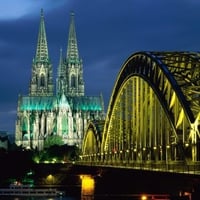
<point>42,80</point>
<point>24,125</point>
<point>73,81</point>
<point>64,125</point>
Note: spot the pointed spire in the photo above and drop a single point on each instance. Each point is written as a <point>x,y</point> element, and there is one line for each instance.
<point>60,75</point>
<point>72,49</point>
<point>42,48</point>
<point>42,73</point>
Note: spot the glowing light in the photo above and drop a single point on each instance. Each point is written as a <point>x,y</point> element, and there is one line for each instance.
<point>187,145</point>
<point>88,184</point>
<point>143,197</point>
<point>50,179</point>
<point>180,119</point>
<point>172,102</point>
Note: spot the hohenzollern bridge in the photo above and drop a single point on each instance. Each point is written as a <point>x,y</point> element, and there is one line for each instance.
<point>153,118</point>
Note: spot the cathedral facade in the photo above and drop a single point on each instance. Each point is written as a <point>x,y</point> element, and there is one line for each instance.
<point>65,112</point>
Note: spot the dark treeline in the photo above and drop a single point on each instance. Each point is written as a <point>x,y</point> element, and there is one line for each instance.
<point>16,161</point>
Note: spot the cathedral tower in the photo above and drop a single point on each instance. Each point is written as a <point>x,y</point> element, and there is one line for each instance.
<point>70,70</point>
<point>42,114</point>
<point>42,76</point>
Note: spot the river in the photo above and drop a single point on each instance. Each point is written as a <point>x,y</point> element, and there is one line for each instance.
<point>116,185</point>
<point>92,188</point>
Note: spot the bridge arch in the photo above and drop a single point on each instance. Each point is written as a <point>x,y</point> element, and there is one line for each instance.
<point>153,112</point>
<point>92,141</point>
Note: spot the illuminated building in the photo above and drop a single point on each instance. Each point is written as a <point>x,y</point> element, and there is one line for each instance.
<point>66,113</point>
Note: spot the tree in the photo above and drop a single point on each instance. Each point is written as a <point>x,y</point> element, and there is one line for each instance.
<point>53,140</point>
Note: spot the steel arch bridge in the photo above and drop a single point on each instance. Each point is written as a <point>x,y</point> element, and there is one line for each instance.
<point>153,114</point>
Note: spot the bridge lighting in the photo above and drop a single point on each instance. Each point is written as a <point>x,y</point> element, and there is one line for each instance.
<point>137,116</point>
<point>186,145</point>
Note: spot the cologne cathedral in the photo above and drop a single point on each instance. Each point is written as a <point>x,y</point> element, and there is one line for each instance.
<point>64,112</point>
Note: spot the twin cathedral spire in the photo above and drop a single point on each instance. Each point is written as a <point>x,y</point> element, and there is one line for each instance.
<point>42,114</point>
<point>69,79</point>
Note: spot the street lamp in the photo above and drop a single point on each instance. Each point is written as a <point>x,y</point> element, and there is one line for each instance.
<point>50,179</point>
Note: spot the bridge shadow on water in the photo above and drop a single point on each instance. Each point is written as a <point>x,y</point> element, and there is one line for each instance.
<point>115,182</point>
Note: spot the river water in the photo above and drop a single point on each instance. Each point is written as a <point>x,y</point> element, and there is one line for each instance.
<point>90,189</point>
<point>117,186</point>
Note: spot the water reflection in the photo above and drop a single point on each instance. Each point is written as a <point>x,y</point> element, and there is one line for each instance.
<point>87,187</point>
<point>88,192</point>
<point>107,186</point>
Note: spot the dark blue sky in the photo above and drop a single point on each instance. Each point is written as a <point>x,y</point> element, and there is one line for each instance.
<point>108,32</point>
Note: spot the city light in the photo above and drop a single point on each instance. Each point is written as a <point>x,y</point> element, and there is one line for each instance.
<point>50,179</point>
<point>144,197</point>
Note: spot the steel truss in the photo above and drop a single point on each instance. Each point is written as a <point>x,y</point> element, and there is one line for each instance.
<point>153,113</point>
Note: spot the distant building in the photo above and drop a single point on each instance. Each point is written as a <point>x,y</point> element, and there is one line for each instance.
<point>66,113</point>
<point>4,140</point>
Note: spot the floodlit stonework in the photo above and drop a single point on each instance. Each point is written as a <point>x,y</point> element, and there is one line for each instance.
<point>65,112</point>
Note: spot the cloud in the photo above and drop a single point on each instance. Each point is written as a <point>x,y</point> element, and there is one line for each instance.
<point>107,32</point>
<point>99,77</point>
<point>15,9</point>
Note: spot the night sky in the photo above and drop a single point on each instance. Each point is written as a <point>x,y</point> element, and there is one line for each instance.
<point>108,32</point>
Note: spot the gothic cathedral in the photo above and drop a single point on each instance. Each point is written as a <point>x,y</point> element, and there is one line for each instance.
<point>66,112</point>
